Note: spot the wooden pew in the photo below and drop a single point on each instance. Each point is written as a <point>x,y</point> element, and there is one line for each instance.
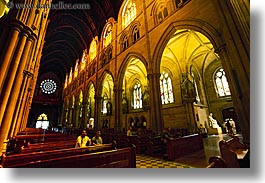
<point>119,158</point>
<point>177,147</point>
<point>29,131</point>
<point>46,147</point>
<point>16,143</point>
<point>122,140</point>
<point>12,160</point>
<point>156,147</point>
<point>142,145</point>
<point>36,138</point>
<point>217,162</point>
<point>235,153</point>
<point>44,144</point>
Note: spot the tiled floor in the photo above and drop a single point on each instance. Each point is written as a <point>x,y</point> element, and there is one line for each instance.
<point>197,159</point>
<point>143,161</point>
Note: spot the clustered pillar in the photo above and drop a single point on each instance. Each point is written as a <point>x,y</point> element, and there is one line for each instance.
<point>21,46</point>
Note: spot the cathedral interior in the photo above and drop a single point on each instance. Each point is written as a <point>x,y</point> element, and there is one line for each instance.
<point>148,65</point>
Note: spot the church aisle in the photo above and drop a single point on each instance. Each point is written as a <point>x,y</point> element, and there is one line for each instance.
<point>143,161</point>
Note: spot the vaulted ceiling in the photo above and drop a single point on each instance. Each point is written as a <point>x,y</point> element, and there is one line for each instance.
<point>71,31</point>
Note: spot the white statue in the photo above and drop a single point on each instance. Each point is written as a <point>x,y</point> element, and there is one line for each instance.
<point>213,122</point>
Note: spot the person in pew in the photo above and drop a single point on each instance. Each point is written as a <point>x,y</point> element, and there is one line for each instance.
<point>130,131</point>
<point>97,140</point>
<point>165,134</point>
<point>83,140</point>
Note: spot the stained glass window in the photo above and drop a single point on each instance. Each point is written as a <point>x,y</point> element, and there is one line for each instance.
<point>93,49</point>
<point>221,83</point>
<point>42,121</point>
<point>104,104</point>
<point>166,89</point>
<point>137,96</point>
<point>129,13</point>
<point>84,60</point>
<point>48,86</point>
<point>107,35</point>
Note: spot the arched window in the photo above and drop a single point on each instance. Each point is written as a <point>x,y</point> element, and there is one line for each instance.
<point>166,89</point>
<point>42,121</point>
<point>93,49</point>
<point>221,83</point>
<point>80,104</point>
<point>125,42</point>
<point>107,36</point>
<point>84,59</point>
<point>137,96</point>
<point>104,104</point>
<point>76,69</point>
<point>136,33</point>
<point>162,13</point>
<point>128,13</point>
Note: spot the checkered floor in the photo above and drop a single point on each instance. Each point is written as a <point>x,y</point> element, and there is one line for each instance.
<point>143,161</point>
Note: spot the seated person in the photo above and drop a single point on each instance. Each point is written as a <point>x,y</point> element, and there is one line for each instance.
<point>165,135</point>
<point>83,140</point>
<point>97,140</point>
<point>129,132</point>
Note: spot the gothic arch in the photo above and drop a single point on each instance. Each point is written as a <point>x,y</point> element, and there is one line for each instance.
<point>197,25</point>
<point>124,64</point>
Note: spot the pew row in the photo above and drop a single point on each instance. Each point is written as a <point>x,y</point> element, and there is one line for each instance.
<point>15,144</point>
<point>12,160</point>
<point>177,147</point>
<point>47,147</point>
<point>29,131</point>
<point>118,158</point>
<point>235,153</point>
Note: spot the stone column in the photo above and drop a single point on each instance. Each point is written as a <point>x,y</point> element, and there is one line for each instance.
<point>117,112</point>
<point>240,100</point>
<point>6,58</point>
<point>236,53</point>
<point>97,124</point>
<point>11,105</point>
<point>23,103</point>
<point>3,35</point>
<point>156,122</point>
<point>24,58</point>
<point>13,70</point>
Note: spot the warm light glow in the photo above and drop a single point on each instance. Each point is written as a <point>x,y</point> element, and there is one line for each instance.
<point>76,69</point>
<point>93,50</point>
<point>66,81</point>
<point>70,76</point>
<point>129,13</point>
<point>107,37</point>
<point>84,60</point>
<point>42,117</point>
<point>4,9</point>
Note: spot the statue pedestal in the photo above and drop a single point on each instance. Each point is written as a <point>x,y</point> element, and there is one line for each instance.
<point>214,131</point>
